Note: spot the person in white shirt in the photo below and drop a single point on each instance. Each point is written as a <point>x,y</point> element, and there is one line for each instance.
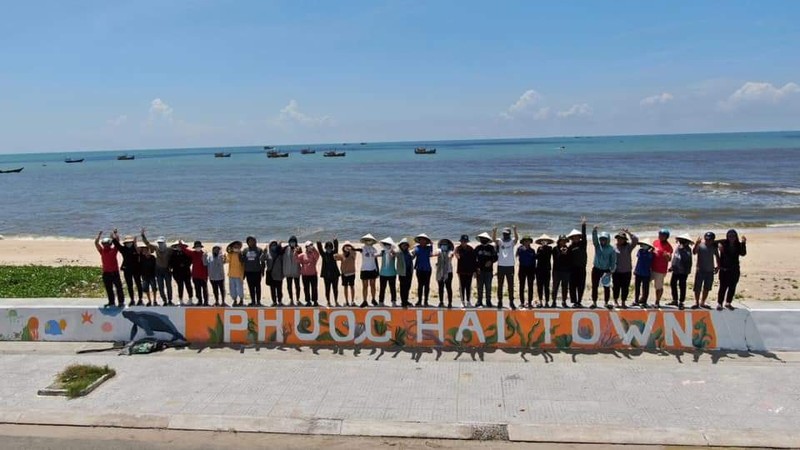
<point>369,268</point>
<point>505,262</point>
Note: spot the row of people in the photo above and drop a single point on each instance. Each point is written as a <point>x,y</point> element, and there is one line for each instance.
<point>559,264</point>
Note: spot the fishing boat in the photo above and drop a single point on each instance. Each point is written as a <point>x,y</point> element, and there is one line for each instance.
<point>424,151</point>
<point>363,143</point>
<point>269,147</point>
<point>334,154</point>
<point>12,170</point>
<point>73,161</point>
<point>125,158</point>
<point>307,151</point>
<point>277,154</point>
<point>222,155</point>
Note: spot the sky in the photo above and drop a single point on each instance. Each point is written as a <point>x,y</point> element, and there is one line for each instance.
<point>94,75</point>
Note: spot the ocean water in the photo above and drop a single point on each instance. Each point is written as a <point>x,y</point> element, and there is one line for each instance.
<point>711,181</point>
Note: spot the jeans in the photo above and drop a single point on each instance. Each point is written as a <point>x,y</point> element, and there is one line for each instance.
<point>465,287</point>
<point>111,281</point>
<point>405,290</point>
<point>597,274</point>
<point>201,289</point>
<point>293,282</point>
<point>310,289</point>
<point>728,279</point>
<point>132,277</point>
<point>218,287</point>
<point>542,284</point>
<point>423,287</point>
<point>577,284</point>
<point>164,279</point>
<point>254,285</point>
<point>505,274</point>
<point>184,282</point>
<point>526,277</point>
<point>641,284</point>
<point>485,286</point>
<point>562,278</point>
<point>237,288</point>
<point>622,284</point>
<point>677,285</point>
<point>388,281</point>
<point>446,285</point>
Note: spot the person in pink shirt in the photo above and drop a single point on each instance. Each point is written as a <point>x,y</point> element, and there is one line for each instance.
<point>199,271</point>
<point>108,258</point>
<point>661,261</point>
<point>308,271</point>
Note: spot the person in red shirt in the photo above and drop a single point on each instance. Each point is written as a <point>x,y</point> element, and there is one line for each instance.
<point>661,260</point>
<point>108,257</point>
<point>199,271</point>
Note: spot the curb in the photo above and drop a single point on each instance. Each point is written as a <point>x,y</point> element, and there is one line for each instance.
<point>458,431</point>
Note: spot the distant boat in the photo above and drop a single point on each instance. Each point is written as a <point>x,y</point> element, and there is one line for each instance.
<point>334,154</point>
<point>125,158</point>
<point>12,170</point>
<point>363,143</point>
<point>222,155</point>
<point>73,161</point>
<point>307,151</point>
<point>562,148</point>
<point>277,154</point>
<point>268,147</point>
<point>424,151</point>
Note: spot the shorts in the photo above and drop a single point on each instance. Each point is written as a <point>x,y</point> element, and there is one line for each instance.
<point>369,274</point>
<point>149,283</point>
<point>658,280</point>
<point>703,281</point>
<point>348,280</point>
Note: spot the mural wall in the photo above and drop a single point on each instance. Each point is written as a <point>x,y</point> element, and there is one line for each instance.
<point>455,329</point>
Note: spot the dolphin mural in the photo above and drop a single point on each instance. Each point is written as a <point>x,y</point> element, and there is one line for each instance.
<point>151,322</point>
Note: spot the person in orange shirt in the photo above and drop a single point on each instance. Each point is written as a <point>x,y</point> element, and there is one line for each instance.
<point>235,272</point>
<point>661,260</point>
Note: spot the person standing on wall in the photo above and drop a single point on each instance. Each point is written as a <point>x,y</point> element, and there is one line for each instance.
<point>505,264</point>
<point>578,261</point>
<point>707,266</point>
<point>405,271</point>
<point>662,258</point>
<point>605,263</point>
<point>467,266</point>
<point>108,258</point>
<point>527,271</point>
<point>254,264</point>
<point>729,252</point>
<point>131,267</point>
<point>626,243</point>
<point>163,274</point>
<point>485,256</point>
<point>544,258</point>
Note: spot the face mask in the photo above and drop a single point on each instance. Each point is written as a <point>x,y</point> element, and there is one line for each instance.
<point>443,248</point>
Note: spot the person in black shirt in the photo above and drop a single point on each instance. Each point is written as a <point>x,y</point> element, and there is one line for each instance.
<point>561,270</point>
<point>467,263</point>
<point>729,252</point>
<point>544,254</point>
<point>181,266</point>
<point>485,255</point>
<point>131,267</point>
<point>578,261</point>
<point>148,270</point>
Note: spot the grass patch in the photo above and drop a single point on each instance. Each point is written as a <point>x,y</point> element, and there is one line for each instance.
<point>47,281</point>
<point>78,377</point>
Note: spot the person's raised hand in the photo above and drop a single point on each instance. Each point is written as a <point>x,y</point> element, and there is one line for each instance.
<point>143,230</point>
<point>594,228</point>
<point>744,239</point>
<point>583,220</point>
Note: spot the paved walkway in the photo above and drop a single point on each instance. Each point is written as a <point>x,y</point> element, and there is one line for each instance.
<point>680,398</point>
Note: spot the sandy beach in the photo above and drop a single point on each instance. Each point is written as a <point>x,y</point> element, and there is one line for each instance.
<point>770,271</point>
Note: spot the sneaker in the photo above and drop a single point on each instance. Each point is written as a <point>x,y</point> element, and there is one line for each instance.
<point>719,307</point>
<point>705,307</point>
<point>695,306</point>
<point>729,307</point>
<point>594,306</point>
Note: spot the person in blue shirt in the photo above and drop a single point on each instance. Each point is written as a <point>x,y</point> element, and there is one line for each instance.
<point>605,263</point>
<point>644,260</point>
<point>527,272</point>
<point>422,253</point>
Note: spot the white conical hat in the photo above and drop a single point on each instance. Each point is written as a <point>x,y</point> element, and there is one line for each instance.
<point>542,238</point>
<point>574,232</point>
<point>484,235</point>
<point>422,236</point>
<point>368,238</point>
<point>387,240</point>
<point>686,237</point>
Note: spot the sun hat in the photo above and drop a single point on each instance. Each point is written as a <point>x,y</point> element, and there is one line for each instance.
<point>710,235</point>
<point>197,244</point>
<point>421,236</point>
<point>127,238</point>
<point>506,230</point>
<point>527,237</point>
<point>574,233</point>
<point>175,243</point>
<point>347,244</point>
<point>105,241</point>
<point>403,241</point>
<point>685,237</point>
<point>388,241</point>
<point>464,238</point>
<point>544,239</point>
<point>621,235</point>
<point>562,237</point>
<point>161,239</point>
<point>141,245</point>
<point>605,235</point>
<point>484,235</point>
<point>646,246</point>
<point>308,244</point>
<point>664,231</point>
<point>235,243</point>
<point>368,239</point>
<point>445,241</point>
<point>605,280</point>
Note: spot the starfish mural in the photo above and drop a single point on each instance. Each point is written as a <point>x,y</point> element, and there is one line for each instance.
<point>86,317</point>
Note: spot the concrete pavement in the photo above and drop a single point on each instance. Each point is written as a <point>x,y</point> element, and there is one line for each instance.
<point>618,397</point>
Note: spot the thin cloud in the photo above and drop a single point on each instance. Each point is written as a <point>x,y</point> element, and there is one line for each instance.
<point>160,109</point>
<point>755,92</point>
<point>658,99</point>
<point>526,106</point>
<point>581,109</point>
<point>291,114</point>
<point>117,121</point>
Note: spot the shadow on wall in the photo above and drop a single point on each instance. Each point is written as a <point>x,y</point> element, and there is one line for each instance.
<point>479,354</point>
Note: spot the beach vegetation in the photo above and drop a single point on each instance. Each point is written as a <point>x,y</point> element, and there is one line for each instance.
<point>77,377</point>
<point>50,282</point>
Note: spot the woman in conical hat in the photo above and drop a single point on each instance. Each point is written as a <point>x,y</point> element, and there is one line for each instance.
<point>544,257</point>
<point>422,253</point>
<point>369,269</point>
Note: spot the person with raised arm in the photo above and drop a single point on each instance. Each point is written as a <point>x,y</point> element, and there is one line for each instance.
<point>662,251</point>
<point>578,261</point>
<point>307,258</point>
<point>485,257</point>
<point>107,247</point>
<point>330,271</point>
<point>707,253</point>
<point>163,272</point>
<point>626,243</point>
<point>369,269</point>
<point>729,272</point>
<point>562,270</point>
<point>505,264</point>
<point>254,261</point>
<point>605,263</point>
<point>131,268</point>
<point>347,261</point>
<point>291,271</point>
<point>199,271</point>
<point>680,267</point>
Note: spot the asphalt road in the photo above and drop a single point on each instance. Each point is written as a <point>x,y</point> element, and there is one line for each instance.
<point>29,437</point>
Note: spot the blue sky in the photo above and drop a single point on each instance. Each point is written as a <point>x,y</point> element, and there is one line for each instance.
<point>154,74</point>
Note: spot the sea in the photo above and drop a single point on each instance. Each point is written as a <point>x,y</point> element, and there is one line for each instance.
<point>543,185</point>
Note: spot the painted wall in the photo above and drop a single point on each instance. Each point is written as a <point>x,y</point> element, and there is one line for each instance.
<point>546,328</point>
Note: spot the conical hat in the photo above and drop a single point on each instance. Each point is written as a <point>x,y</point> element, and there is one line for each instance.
<point>368,238</point>
<point>544,238</point>
<point>484,235</point>
<point>574,232</point>
<point>388,240</point>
